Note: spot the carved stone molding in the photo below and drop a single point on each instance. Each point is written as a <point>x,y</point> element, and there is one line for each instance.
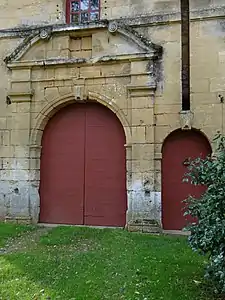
<point>28,42</point>
<point>79,93</point>
<point>186,120</point>
<point>45,34</point>
<point>19,97</point>
<point>158,156</point>
<point>141,91</point>
<point>139,39</point>
<point>113,27</point>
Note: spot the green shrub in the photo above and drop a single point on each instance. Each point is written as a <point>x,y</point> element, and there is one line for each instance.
<point>208,233</point>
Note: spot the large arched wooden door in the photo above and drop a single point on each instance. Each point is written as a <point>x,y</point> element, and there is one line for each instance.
<point>177,147</point>
<point>83,168</point>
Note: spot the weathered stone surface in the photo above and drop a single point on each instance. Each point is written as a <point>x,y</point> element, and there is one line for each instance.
<point>120,71</point>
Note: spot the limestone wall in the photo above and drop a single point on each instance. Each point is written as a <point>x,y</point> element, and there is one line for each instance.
<point>50,72</point>
<point>38,12</point>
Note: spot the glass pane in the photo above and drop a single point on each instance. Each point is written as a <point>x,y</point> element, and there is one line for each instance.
<point>75,18</point>
<point>94,4</point>
<point>84,17</point>
<point>94,16</point>
<point>84,4</point>
<point>75,6</point>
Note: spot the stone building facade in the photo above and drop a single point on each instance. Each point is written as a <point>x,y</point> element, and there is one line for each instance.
<point>128,61</point>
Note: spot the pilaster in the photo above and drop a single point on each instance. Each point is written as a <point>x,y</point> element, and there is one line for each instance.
<point>143,201</point>
<point>19,174</point>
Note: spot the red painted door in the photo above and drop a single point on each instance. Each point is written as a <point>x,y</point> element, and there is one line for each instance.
<point>179,146</point>
<point>105,169</point>
<point>83,169</point>
<point>62,168</point>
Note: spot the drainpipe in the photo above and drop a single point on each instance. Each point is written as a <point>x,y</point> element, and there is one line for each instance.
<point>185,54</point>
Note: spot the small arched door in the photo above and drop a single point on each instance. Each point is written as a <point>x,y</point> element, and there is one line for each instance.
<point>83,168</point>
<point>179,146</point>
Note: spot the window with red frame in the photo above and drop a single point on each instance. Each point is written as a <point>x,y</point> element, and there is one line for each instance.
<point>81,11</point>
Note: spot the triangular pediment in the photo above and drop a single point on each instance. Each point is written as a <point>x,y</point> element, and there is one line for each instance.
<point>81,44</point>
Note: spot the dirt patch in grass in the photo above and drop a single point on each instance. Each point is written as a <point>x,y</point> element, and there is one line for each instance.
<point>25,241</point>
<point>45,237</point>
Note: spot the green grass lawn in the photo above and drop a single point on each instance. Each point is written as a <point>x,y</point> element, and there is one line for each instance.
<point>11,230</point>
<point>96,264</point>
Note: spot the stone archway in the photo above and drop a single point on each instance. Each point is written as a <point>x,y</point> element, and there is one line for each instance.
<point>59,102</point>
<point>179,146</point>
<point>56,105</point>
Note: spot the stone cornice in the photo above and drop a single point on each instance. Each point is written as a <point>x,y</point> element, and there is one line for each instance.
<point>19,97</point>
<point>80,61</point>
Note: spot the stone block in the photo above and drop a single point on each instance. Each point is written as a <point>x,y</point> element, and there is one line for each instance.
<point>161,132</point>
<point>64,90</point>
<point>142,166</point>
<point>6,151</point>
<point>63,73</point>
<point>96,81</point>
<point>158,181</point>
<point>65,54</point>
<point>37,53</point>
<point>142,102</point>
<point>35,164</point>
<point>23,87</point>
<point>81,54</point>
<point>20,137</point>
<point>86,43</point>
<point>90,72</point>
<point>163,119</point>
<point>139,67</point>
<point>59,83</point>
<point>34,175</point>
<point>53,54</point>
<point>115,69</point>
<point>200,85</point>
<point>23,108</point>
<point>172,109</point>
<point>149,134</point>
<point>75,44</point>
<point>118,80</point>
<point>6,163</point>
<point>208,115</point>
<point>217,84</point>
<point>140,80</point>
<point>20,121</point>
<point>123,11</point>
<point>142,117</point>
<point>21,74</point>
<point>22,163</point>
<point>51,93</point>
<point>19,205</point>
<point>20,152</point>
<point>138,134</point>
<point>5,137</point>
<point>204,98</point>
<point>142,151</point>
<point>100,42</point>
<point>60,42</point>
<point>3,123</point>
<point>68,82</point>
<point>204,71</point>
